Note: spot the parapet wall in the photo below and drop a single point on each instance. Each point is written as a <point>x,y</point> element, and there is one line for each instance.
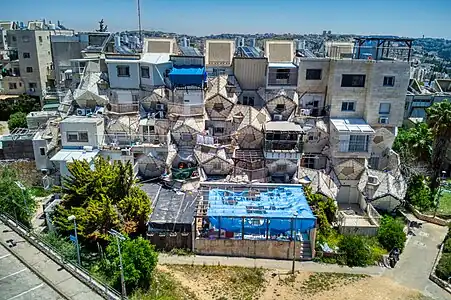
<point>246,248</point>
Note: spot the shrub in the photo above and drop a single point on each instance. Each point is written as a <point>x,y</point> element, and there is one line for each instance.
<point>447,246</point>
<point>419,194</point>
<point>443,269</point>
<point>354,251</point>
<point>17,120</point>
<point>391,234</point>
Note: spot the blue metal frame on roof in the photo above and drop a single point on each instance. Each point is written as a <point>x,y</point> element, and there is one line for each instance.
<point>186,76</point>
<point>247,51</point>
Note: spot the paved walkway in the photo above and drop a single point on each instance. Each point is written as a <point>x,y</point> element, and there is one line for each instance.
<point>417,259</point>
<point>282,265</point>
<point>55,277</point>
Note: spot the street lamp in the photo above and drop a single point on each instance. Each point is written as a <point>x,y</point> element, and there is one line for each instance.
<point>73,218</point>
<point>118,237</point>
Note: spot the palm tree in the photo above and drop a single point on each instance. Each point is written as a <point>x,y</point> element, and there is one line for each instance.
<point>439,121</point>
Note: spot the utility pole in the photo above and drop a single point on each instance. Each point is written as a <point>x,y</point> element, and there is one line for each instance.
<point>118,237</point>
<point>139,22</point>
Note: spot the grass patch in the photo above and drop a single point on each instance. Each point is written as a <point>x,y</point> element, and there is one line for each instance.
<point>38,191</point>
<point>444,207</point>
<point>320,282</point>
<point>164,287</point>
<point>226,282</point>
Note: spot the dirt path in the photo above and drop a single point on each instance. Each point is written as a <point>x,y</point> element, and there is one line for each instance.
<point>215,282</point>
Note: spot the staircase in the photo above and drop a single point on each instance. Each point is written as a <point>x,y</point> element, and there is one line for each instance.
<point>305,253</point>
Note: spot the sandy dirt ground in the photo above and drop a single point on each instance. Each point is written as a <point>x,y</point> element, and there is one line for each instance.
<point>221,283</point>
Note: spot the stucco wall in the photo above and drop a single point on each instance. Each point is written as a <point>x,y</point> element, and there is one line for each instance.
<point>246,248</point>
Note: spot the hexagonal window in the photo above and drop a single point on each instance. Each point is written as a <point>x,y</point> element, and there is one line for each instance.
<point>347,171</point>
<point>378,139</point>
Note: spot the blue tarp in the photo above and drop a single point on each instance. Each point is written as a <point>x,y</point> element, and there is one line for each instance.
<point>188,76</point>
<point>276,209</point>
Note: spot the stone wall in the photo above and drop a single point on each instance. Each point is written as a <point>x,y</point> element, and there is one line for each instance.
<point>427,218</point>
<point>26,171</point>
<point>168,241</point>
<point>246,248</point>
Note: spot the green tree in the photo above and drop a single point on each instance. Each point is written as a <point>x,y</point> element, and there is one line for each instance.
<point>419,194</point>
<point>13,200</point>
<point>354,251</point>
<point>139,260</point>
<point>323,208</point>
<point>391,234</point>
<point>17,120</point>
<point>439,121</point>
<point>101,198</point>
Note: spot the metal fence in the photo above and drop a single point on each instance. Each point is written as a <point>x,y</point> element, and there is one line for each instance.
<point>95,283</point>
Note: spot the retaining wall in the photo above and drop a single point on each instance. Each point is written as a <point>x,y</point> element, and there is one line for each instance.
<point>427,218</point>
<point>246,248</point>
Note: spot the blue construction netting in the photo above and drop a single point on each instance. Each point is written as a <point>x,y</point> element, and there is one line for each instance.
<point>280,210</point>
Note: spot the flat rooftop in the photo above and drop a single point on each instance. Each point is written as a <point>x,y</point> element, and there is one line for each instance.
<point>282,126</point>
<point>282,65</point>
<point>80,119</point>
<point>72,155</point>
<point>352,125</point>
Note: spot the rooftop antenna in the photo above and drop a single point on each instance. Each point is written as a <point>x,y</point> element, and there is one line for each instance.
<point>139,22</point>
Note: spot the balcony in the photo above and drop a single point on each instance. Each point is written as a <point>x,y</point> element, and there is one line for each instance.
<point>123,108</point>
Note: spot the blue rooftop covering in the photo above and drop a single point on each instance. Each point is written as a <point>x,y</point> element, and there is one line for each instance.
<point>188,76</point>
<point>278,206</point>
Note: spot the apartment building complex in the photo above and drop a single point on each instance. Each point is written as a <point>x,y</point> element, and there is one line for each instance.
<point>237,116</point>
<point>29,68</point>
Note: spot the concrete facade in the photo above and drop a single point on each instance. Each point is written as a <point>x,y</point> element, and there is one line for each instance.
<point>89,132</point>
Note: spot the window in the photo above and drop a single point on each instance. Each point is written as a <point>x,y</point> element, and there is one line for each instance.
<point>12,85</point>
<point>218,107</point>
<point>358,143</point>
<point>347,106</point>
<point>14,38</point>
<point>135,99</point>
<point>151,129</point>
<point>281,168</point>
<point>389,80</point>
<point>74,136</point>
<point>16,71</point>
<point>186,137</point>
<point>280,107</point>
<point>248,100</point>
<point>26,55</point>
<point>283,74</point>
<point>32,85</point>
<point>25,38</point>
<point>353,80</point>
<point>308,162</point>
<point>42,151</point>
<point>219,130</point>
<point>374,162</point>
<point>40,39</point>
<point>145,72</point>
<point>217,166</point>
<point>123,71</point>
<point>83,136</point>
<point>384,108</point>
<point>313,74</point>
<point>29,70</point>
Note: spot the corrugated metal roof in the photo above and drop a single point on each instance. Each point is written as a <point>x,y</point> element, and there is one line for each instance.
<point>352,125</point>
<point>72,155</point>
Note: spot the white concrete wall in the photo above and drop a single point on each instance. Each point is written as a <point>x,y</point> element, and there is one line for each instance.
<point>95,133</point>
<point>42,161</point>
<point>313,86</point>
<point>130,82</point>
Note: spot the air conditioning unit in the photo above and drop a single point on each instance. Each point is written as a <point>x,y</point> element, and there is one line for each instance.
<point>126,151</point>
<point>81,112</point>
<point>383,120</point>
<point>87,148</point>
<point>160,106</point>
<point>88,111</point>
<point>278,117</point>
<point>372,180</point>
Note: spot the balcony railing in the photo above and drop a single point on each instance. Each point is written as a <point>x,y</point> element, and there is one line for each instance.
<point>353,147</point>
<point>124,108</point>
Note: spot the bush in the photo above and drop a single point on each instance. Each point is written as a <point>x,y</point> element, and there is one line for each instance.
<point>391,234</point>
<point>17,120</point>
<point>447,246</point>
<point>419,194</point>
<point>354,251</point>
<point>443,269</point>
